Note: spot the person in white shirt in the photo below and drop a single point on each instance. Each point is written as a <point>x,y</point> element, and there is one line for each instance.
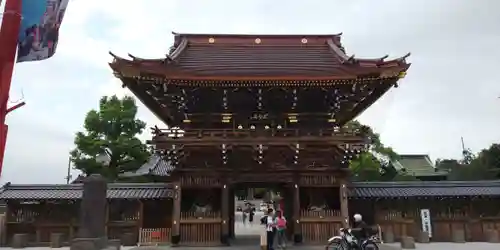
<point>270,228</point>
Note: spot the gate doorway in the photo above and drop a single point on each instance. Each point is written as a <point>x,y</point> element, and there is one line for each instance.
<point>251,201</point>
<point>205,208</point>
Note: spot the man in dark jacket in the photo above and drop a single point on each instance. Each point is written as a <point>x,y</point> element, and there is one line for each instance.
<point>360,228</point>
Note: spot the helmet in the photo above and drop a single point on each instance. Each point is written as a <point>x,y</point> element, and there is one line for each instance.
<point>358,217</point>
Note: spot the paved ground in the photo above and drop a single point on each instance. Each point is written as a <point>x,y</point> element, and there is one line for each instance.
<point>248,228</point>
<point>432,246</point>
<point>249,240</point>
<point>457,246</point>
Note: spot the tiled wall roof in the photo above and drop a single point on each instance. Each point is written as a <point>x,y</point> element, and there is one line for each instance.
<point>424,189</point>
<point>74,191</point>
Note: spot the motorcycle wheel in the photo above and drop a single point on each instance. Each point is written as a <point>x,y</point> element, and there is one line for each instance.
<point>370,246</point>
<point>335,245</point>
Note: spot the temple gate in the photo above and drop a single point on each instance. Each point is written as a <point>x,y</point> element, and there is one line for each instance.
<point>266,109</point>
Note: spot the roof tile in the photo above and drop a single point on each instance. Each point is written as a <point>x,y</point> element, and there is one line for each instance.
<point>234,56</point>
<point>424,189</point>
<point>266,60</point>
<point>419,165</point>
<point>156,165</point>
<point>162,190</point>
<point>74,191</point>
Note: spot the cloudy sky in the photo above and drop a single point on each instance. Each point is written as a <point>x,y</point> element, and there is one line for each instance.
<point>450,91</point>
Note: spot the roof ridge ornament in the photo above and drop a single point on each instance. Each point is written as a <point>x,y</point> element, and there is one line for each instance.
<point>179,49</point>
<point>403,58</point>
<point>336,49</point>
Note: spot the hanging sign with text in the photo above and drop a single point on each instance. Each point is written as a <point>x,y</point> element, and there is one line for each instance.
<point>425,217</point>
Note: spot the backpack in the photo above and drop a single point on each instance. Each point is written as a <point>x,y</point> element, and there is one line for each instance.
<point>281,222</point>
<point>263,220</point>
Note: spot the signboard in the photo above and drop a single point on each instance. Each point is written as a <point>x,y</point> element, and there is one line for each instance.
<point>39,32</point>
<point>425,217</point>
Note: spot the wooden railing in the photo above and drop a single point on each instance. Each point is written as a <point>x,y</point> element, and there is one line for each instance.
<point>154,236</point>
<point>166,134</point>
<point>323,214</point>
<point>194,216</point>
<point>318,226</point>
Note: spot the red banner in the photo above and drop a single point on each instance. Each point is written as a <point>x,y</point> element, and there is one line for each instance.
<point>3,142</point>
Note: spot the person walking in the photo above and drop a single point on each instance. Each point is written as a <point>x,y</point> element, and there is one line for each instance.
<point>244,215</point>
<point>281,229</point>
<point>251,215</point>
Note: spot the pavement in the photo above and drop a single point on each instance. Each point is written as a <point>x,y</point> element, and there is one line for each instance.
<point>431,246</point>
<point>249,240</point>
<point>247,228</point>
<point>455,246</point>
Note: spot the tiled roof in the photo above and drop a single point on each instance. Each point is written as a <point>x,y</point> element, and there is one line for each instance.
<point>264,56</point>
<point>162,190</point>
<point>419,166</point>
<point>156,165</point>
<point>424,189</point>
<point>263,59</point>
<point>74,191</point>
<point>272,55</point>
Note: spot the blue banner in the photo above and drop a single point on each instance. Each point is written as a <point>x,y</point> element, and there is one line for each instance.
<point>39,31</point>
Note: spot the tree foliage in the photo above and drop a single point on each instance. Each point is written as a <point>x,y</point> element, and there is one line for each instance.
<point>377,163</point>
<point>482,166</point>
<point>111,132</point>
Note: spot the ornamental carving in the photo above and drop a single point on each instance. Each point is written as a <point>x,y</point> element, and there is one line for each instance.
<point>262,177</point>
<point>199,181</point>
<point>318,180</point>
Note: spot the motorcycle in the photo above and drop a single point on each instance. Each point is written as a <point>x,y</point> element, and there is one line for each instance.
<point>347,241</point>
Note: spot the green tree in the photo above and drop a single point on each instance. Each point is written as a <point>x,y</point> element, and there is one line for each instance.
<point>111,132</point>
<point>483,166</point>
<point>377,163</point>
<point>468,156</point>
<point>490,159</point>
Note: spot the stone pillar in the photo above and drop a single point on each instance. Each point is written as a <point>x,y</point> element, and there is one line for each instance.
<point>225,215</point>
<point>297,230</point>
<point>176,215</point>
<point>250,194</point>
<point>92,231</point>
<point>344,204</point>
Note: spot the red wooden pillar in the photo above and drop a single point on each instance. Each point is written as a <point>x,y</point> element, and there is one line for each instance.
<point>3,142</point>
<point>11,23</point>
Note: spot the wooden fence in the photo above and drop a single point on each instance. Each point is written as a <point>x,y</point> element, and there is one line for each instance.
<point>318,226</point>
<point>154,236</point>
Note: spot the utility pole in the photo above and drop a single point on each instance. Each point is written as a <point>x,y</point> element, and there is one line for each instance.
<point>68,174</point>
<point>463,146</point>
<point>466,153</point>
